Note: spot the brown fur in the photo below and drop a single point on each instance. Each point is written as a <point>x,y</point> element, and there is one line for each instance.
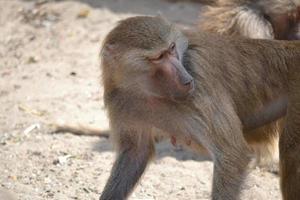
<point>267,19</point>
<point>79,129</point>
<point>269,114</point>
<point>234,78</point>
<point>289,144</point>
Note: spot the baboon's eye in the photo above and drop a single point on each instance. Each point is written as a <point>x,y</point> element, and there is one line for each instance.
<point>157,58</point>
<point>172,46</point>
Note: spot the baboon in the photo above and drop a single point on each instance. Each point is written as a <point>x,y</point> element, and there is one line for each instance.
<point>267,19</point>
<point>197,87</point>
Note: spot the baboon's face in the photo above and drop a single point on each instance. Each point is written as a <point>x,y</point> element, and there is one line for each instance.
<point>147,58</point>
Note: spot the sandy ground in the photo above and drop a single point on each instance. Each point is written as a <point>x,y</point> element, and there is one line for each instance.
<point>49,71</point>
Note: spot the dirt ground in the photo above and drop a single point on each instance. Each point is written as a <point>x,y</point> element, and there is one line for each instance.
<point>49,71</point>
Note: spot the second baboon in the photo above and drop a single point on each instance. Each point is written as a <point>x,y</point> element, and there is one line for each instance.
<point>266,19</point>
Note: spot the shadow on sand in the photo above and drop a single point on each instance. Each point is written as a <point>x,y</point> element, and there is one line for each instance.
<point>163,149</point>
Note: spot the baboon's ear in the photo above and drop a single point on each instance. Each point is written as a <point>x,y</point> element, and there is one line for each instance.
<point>109,50</point>
<point>109,55</point>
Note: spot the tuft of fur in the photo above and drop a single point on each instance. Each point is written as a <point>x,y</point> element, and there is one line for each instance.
<point>248,18</point>
<point>237,21</point>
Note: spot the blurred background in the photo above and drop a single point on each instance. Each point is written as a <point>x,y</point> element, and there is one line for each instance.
<point>49,72</point>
